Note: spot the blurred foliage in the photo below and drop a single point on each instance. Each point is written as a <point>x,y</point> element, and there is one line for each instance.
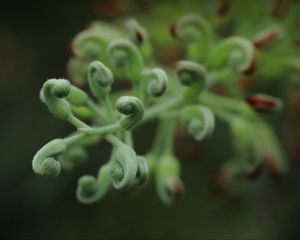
<point>34,41</point>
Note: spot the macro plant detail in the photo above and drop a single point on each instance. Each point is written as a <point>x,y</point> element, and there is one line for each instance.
<point>105,55</point>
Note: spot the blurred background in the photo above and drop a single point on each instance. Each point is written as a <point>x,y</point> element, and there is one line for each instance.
<point>34,39</point>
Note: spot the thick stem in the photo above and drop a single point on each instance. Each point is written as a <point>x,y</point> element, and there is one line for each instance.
<point>76,122</point>
<point>163,142</point>
<point>96,110</point>
<point>153,112</point>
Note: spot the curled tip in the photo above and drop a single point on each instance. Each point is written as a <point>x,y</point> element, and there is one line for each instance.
<point>169,186</point>
<point>124,168</point>
<point>157,81</point>
<point>133,108</point>
<point>100,78</point>
<point>44,161</point>
<point>136,32</point>
<point>51,167</point>
<point>86,189</point>
<point>237,52</point>
<point>189,28</point>
<point>90,189</point>
<point>77,71</point>
<point>171,190</point>
<point>265,103</point>
<point>201,121</point>
<point>52,94</point>
<point>174,190</point>
<point>61,88</point>
<point>124,54</point>
<point>88,44</point>
<point>190,72</point>
<point>142,174</point>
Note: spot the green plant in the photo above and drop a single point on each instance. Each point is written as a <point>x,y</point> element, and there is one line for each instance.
<point>103,53</point>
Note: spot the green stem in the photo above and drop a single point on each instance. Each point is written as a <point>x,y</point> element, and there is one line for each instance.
<point>102,130</point>
<point>128,138</point>
<point>108,107</point>
<point>238,106</point>
<point>163,142</point>
<point>96,110</point>
<point>76,122</point>
<point>153,112</point>
<point>74,138</point>
<point>114,140</point>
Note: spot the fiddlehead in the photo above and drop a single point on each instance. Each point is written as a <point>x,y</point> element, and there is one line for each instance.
<point>194,31</point>
<point>90,189</point>
<point>100,79</point>
<point>53,93</point>
<point>139,36</point>
<point>157,81</point>
<point>136,32</point>
<point>192,75</point>
<point>168,184</point>
<point>133,108</point>
<point>125,55</point>
<point>77,70</point>
<point>190,28</point>
<point>201,121</point>
<point>45,162</point>
<point>124,167</point>
<point>89,44</point>
<point>238,52</point>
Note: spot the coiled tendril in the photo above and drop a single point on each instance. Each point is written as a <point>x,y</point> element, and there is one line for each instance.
<point>201,121</point>
<point>194,31</point>
<point>100,78</point>
<point>139,36</point>
<point>157,81</point>
<point>238,52</point>
<point>89,44</point>
<point>45,160</point>
<point>193,75</point>
<point>53,93</point>
<point>90,189</point>
<point>191,28</point>
<point>125,55</point>
<point>133,108</point>
<point>169,186</point>
<point>124,167</point>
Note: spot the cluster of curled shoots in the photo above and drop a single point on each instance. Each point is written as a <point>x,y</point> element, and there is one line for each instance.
<point>159,94</point>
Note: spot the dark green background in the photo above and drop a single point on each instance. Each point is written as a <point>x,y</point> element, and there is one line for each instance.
<point>34,47</point>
